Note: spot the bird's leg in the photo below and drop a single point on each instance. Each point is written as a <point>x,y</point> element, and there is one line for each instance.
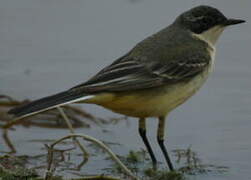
<point>160,137</point>
<point>142,132</point>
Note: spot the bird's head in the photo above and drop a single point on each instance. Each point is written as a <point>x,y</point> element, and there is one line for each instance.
<point>206,22</point>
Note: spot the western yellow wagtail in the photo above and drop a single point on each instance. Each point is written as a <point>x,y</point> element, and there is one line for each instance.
<point>157,75</point>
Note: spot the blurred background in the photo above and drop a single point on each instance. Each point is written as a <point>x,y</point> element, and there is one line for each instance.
<point>47,46</point>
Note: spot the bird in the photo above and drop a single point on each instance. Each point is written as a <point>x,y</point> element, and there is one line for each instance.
<point>156,76</point>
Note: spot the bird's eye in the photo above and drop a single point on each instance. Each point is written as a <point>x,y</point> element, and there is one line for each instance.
<point>199,23</point>
<point>207,20</point>
<point>205,23</point>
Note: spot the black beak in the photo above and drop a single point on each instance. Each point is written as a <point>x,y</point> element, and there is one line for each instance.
<point>229,22</point>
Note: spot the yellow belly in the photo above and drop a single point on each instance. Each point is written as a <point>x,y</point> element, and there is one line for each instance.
<point>152,102</point>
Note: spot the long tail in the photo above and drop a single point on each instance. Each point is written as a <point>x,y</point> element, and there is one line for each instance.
<point>44,104</point>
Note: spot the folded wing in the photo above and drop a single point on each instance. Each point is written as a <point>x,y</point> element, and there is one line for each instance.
<point>128,73</point>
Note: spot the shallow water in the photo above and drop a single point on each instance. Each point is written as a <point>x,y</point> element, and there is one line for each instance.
<point>49,46</point>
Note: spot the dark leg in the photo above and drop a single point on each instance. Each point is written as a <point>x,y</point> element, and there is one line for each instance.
<point>161,133</point>
<point>142,132</point>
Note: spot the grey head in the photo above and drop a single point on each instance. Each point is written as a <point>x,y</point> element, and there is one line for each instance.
<point>206,22</point>
<point>202,18</point>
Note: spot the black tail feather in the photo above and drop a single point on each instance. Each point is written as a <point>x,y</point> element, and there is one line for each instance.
<point>46,103</point>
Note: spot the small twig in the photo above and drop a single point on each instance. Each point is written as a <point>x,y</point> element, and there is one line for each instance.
<point>49,172</point>
<point>13,122</point>
<point>9,103</point>
<point>7,97</point>
<point>8,141</point>
<point>93,140</point>
<point>82,148</point>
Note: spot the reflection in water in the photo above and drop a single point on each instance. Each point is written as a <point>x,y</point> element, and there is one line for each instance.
<point>192,164</point>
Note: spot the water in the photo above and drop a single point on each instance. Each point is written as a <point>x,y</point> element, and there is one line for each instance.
<point>49,46</point>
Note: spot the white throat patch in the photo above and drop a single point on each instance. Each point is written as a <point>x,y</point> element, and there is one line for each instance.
<point>211,36</point>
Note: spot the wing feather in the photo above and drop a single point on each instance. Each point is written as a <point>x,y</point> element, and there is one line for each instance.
<point>129,73</point>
